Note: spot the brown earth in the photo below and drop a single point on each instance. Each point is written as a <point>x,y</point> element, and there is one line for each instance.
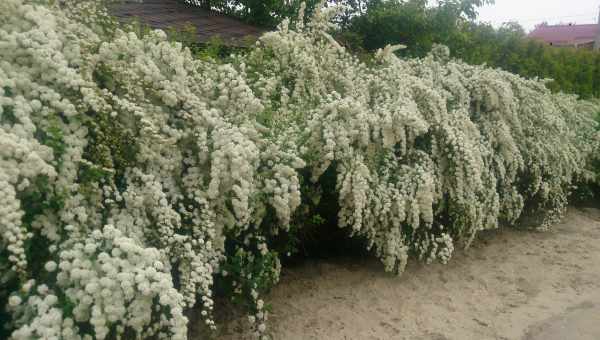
<point>511,285</point>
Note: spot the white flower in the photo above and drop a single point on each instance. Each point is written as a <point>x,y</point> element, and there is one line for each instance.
<point>150,160</point>
<point>262,327</point>
<point>14,301</point>
<point>50,266</point>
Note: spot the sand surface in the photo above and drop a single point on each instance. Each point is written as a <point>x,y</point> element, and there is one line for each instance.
<point>511,284</point>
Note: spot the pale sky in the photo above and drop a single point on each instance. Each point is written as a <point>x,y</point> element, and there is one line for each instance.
<point>532,12</point>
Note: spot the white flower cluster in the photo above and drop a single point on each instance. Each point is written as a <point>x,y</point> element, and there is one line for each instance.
<point>103,127</point>
<point>148,172</point>
<point>427,152</point>
<point>112,281</point>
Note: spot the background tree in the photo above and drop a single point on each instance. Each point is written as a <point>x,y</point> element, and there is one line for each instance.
<point>366,25</point>
<point>264,13</point>
<point>419,26</point>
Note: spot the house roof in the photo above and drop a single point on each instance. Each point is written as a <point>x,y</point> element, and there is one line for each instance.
<point>566,34</point>
<point>165,14</point>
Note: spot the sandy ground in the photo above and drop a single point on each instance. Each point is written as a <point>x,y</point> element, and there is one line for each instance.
<point>511,284</point>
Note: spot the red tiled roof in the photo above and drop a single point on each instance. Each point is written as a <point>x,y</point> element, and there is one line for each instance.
<point>566,34</point>
<point>165,14</point>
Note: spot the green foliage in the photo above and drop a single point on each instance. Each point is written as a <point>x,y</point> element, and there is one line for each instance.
<point>258,12</point>
<point>367,25</point>
<point>419,26</point>
<point>413,23</point>
<point>112,145</point>
<point>589,189</point>
<point>572,70</point>
<point>142,176</point>
<point>214,49</point>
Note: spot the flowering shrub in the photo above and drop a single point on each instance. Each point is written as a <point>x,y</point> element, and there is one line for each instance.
<point>134,176</point>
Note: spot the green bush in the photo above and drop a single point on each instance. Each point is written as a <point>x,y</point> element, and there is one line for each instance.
<point>137,179</point>
<point>419,26</point>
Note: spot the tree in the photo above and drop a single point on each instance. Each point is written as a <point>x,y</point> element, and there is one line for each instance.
<point>366,25</point>
<point>414,23</point>
<point>265,13</point>
<point>269,13</point>
<point>451,22</point>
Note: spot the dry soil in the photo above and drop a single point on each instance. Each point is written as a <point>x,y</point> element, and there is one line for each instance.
<point>510,285</point>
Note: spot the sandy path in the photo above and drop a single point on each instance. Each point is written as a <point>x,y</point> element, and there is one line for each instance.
<point>509,285</point>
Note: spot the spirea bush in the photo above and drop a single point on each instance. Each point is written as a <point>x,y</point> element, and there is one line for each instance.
<point>136,179</point>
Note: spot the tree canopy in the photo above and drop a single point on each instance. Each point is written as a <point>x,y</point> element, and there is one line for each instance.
<point>452,23</point>
<point>367,25</point>
<point>265,13</point>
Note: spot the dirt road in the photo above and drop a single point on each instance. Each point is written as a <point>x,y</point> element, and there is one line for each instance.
<point>511,285</point>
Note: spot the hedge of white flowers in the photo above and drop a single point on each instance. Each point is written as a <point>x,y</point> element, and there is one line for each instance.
<point>134,177</point>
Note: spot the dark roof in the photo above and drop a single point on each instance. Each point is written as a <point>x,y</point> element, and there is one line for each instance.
<point>566,34</point>
<point>165,14</point>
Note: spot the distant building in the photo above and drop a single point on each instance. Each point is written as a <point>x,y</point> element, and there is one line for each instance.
<point>578,36</point>
<point>165,14</point>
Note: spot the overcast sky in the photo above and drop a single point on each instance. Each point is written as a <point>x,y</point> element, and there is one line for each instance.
<point>532,12</point>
